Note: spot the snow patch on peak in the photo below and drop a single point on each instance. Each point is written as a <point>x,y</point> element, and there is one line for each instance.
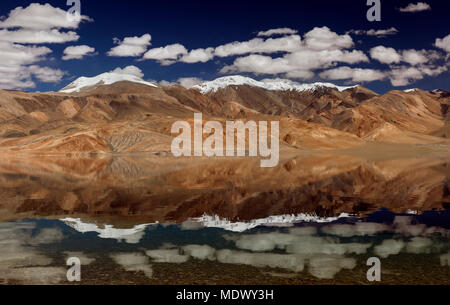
<point>277,84</point>
<point>103,79</point>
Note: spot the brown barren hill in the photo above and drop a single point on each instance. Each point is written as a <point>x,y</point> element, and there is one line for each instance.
<point>128,117</point>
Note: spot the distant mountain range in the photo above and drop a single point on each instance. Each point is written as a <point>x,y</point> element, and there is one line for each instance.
<point>116,112</point>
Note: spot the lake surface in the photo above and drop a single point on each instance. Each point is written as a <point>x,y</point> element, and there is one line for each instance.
<point>314,219</point>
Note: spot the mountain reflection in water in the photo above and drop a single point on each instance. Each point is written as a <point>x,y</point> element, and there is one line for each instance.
<point>315,219</point>
<point>156,189</point>
<point>412,248</point>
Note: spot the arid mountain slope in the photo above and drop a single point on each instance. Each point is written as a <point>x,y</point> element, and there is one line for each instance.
<point>133,117</point>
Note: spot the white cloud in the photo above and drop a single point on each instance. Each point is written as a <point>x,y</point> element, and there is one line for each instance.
<point>309,59</point>
<point>402,76</point>
<point>38,37</point>
<point>377,33</point>
<point>414,57</point>
<point>46,74</point>
<point>324,39</point>
<point>385,55</point>
<point>131,46</point>
<point>77,52</point>
<point>130,70</point>
<point>259,64</point>
<point>198,55</point>
<point>433,70</point>
<point>413,8</point>
<point>189,82</point>
<point>298,64</point>
<point>40,17</point>
<point>279,31</point>
<point>355,74</point>
<point>20,77</point>
<point>259,45</point>
<point>166,55</point>
<point>320,49</point>
<point>14,54</point>
<point>15,72</point>
<point>35,24</point>
<point>443,43</point>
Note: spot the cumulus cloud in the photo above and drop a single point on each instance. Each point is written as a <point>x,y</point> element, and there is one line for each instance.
<point>15,54</point>
<point>259,64</point>
<point>415,7</point>
<point>198,55</point>
<point>298,64</point>
<point>421,64</point>
<point>324,39</point>
<point>77,52</point>
<point>415,57</point>
<point>385,55</point>
<point>15,72</point>
<point>46,74</point>
<point>166,55</point>
<point>320,49</point>
<point>130,70</point>
<point>189,82</point>
<point>443,43</point>
<point>404,75</point>
<point>131,46</point>
<point>279,31</point>
<point>40,17</point>
<point>34,24</point>
<point>354,74</point>
<point>38,37</point>
<point>259,45</point>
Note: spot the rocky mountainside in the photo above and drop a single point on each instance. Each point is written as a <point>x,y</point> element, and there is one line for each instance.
<point>123,113</point>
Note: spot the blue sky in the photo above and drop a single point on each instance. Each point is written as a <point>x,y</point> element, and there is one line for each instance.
<point>326,41</point>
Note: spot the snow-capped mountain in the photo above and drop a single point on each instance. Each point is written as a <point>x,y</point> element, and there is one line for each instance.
<point>103,79</point>
<point>268,84</point>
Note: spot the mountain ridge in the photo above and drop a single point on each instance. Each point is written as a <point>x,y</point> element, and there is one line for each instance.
<point>129,117</point>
